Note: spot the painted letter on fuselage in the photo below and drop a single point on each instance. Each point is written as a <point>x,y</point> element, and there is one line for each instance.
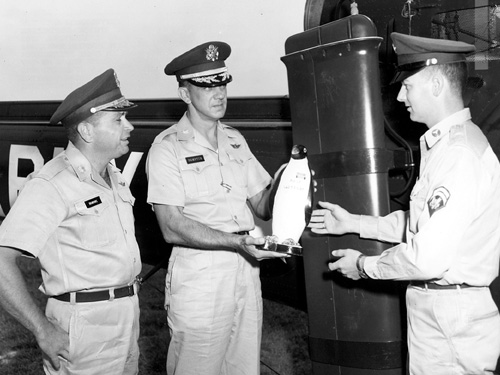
<point>17,153</point>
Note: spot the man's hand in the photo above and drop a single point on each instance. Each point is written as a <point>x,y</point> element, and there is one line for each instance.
<point>346,264</point>
<point>248,243</point>
<point>333,219</point>
<point>54,343</point>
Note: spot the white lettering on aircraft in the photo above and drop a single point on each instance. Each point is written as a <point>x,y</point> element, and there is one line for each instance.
<point>18,152</point>
<point>26,152</point>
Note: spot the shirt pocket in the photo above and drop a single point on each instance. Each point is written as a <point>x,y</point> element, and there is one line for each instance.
<point>238,168</point>
<point>200,179</point>
<point>97,222</point>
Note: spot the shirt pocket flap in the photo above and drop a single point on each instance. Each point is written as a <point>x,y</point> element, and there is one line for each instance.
<point>197,167</point>
<point>240,158</point>
<point>126,196</point>
<point>92,206</point>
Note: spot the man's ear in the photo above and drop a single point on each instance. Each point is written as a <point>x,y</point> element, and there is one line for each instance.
<point>438,83</point>
<point>86,131</point>
<point>183,93</point>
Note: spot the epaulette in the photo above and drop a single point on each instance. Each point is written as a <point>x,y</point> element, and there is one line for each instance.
<point>470,135</point>
<point>230,130</point>
<point>52,168</point>
<point>458,134</point>
<point>165,133</point>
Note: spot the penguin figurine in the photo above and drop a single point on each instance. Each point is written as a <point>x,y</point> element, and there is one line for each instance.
<point>291,199</point>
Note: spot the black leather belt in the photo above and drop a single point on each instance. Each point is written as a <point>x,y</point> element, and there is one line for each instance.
<point>242,233</point>
<point>424,285</point>
<point>101,295</point>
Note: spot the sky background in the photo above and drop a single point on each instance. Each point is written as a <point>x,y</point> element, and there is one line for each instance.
<point>50,47</point>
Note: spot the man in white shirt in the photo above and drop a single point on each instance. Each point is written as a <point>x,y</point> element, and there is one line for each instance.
<point>449,240</point>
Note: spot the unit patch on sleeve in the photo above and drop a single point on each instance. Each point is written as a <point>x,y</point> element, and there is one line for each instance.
<point>195,159</point>
<point>438,199</point>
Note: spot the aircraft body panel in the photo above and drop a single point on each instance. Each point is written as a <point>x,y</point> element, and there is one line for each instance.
<point>27,141</point>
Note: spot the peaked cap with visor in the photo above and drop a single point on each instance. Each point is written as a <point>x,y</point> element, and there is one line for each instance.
<point>202,65</point>
<point>416,53</point>
<point>100,94</point>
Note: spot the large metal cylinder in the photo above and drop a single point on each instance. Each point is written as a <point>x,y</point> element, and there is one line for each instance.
<point>355,327</point>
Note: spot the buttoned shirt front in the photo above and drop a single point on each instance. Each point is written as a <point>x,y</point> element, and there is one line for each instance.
<point>81,229</point>
<point>211,185</point>
<point>452,232</point>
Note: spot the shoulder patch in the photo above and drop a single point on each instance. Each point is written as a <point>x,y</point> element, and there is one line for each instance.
<point>438,199</point>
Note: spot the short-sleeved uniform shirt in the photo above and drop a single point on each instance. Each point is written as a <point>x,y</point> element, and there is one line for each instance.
<point>81,229</point>
<point>452,231</point>
<point>212,186</point>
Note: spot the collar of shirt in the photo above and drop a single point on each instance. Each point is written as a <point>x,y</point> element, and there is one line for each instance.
<point>438,131</point>
<point>83,168</point>
<point>186,131</point>
<point>79,162</point>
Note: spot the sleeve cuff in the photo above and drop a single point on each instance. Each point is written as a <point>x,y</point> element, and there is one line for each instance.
<point>368,227</point>
<point>370,266</point>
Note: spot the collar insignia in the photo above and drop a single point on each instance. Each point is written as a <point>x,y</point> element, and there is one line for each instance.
<point>235,146</point>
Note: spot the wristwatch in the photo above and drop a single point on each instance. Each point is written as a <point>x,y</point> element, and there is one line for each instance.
<point>359,266</point>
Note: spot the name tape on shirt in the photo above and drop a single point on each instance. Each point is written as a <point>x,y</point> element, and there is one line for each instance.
<point>195,159</point>
<point>93,202</point>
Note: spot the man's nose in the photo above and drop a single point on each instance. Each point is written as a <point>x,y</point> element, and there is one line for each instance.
<point>402,94</point>
<point>128,125</point>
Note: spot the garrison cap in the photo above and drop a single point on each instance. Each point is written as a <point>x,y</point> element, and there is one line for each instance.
<point>100,94</point>
<point>203,65</point>
<point>415,53</point>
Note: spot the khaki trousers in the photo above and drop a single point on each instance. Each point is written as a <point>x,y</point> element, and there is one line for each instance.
<point>452,331</point>
<point>103,336</point>
<point>214,311</point>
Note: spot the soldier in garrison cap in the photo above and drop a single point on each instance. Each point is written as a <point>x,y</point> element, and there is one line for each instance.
<point>449,240</point>
<point>203,179</point>
<point>75,216</point>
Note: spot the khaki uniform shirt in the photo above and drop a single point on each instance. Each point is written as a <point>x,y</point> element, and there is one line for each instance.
<point>81,230</point>
<point>452,231</point>
<point>212,186</point>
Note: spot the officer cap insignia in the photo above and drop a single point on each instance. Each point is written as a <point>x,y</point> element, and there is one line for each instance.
<point>116,80</point>
<point>212,53</point>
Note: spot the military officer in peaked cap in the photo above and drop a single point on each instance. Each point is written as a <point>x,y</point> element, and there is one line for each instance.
<point>449,240</point>
<point>75,215</point>
<point>202,180</point>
